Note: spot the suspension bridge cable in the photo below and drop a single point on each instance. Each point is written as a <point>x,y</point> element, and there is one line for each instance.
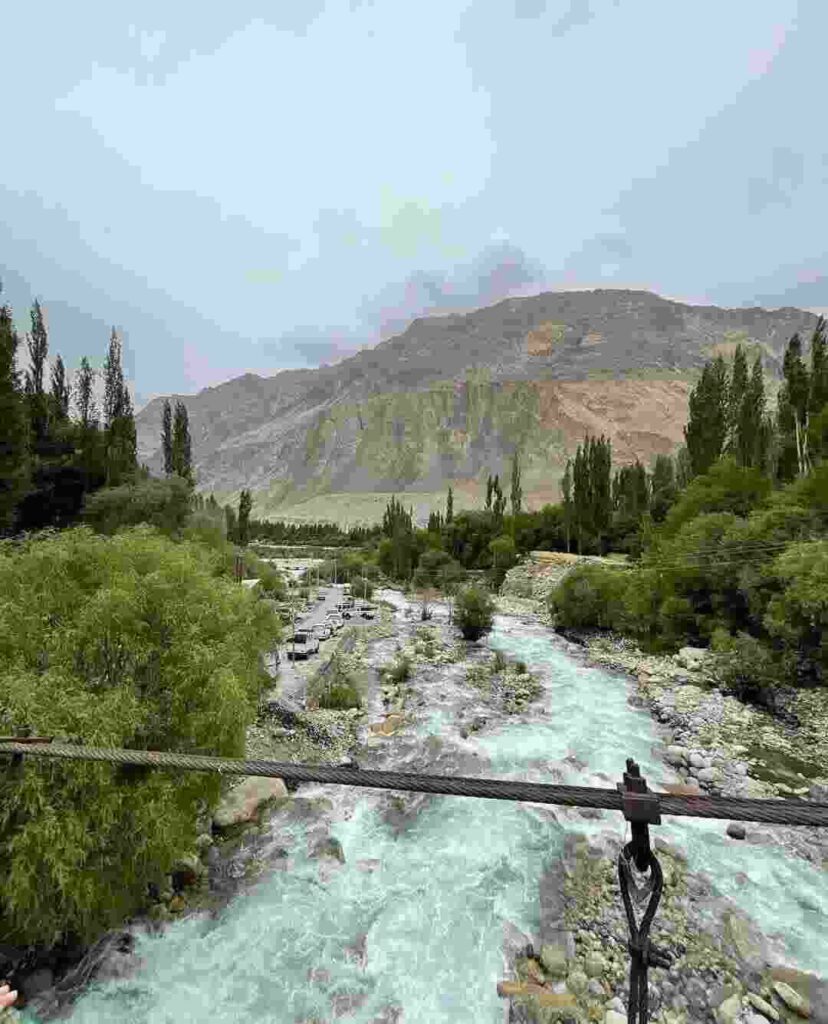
<point>772,811</point>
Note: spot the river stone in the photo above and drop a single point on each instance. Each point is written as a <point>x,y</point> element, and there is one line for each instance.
<point>329,847</point>
<point>676,755</point>
<point>736,830</point>
<point>691,657</point>
<point>746,942</point>
<point>595,988</point>
<point>729,1011</point>
<point>243,802</point>
<point>554,960</point>
<point>577,982</point>
<point>594,965</point>
<point>697,760</point>
<point>792,999</point>
<point>613,1017</point>
<point>763,1006</point>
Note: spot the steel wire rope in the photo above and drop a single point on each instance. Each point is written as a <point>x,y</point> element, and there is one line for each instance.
<point>772,811</point>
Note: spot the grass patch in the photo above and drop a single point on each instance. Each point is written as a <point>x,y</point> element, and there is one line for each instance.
<point>509,684</point>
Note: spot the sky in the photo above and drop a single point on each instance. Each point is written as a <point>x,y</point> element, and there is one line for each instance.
<point>259,186</point>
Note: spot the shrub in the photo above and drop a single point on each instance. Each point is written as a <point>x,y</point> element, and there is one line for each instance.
<point>127,641</point>
<point>499,663</point>
<point>749,669</point>
<point>399,670</point>
<point>362,588</point>
<point>335,686</point>
<point>474,613</point>
<point>589,596</point>
<point>162,503</point>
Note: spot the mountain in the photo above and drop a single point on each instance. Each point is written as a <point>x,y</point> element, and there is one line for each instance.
<point>449,399</point>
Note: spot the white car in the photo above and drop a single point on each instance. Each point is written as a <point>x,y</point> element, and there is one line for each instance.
<point>322,630</point>
<point>302,644</point>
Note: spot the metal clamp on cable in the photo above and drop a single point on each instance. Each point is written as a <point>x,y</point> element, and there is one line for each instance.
<point>641,808</point>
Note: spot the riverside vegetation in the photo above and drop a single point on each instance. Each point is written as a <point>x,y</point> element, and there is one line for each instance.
<point>120,626</point>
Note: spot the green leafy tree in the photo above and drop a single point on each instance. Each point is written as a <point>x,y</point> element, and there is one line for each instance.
<point>164,504</point>
<point>751,430</point>
<point>792,411</point>
<point>231,525</point>
<point>684,468</point>
<point>663,487</point>
<point>517,490</point>
<point>474,613</point>
<point>60,391</point>
<point>38,345</point>
<point>727,487</point>
<point>14,433</point>
<point>706,431</point>
<point>450,506</point>
<point>504,556</point>
<point>119,421</point>
<point>489,491</point>
<point>84,395</point>
<point>243,528</point>
<point>124,642</point>
<point>588,596</point>
<point>568,509</point>
<point>167,438</point>
<point>182,457</point>
<point>735,398</point>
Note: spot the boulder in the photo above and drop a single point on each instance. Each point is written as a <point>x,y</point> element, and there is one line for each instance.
<point>692,657</point>
<point>243,802</point>
<point>736,830</point>
<point>729,1011</point>
<point>792,999</point>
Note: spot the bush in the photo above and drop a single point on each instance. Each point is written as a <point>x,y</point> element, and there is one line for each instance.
<point>362,588</point>
<point>749,669</point>
<point>127,641</point>
<point>398,671</point>
<point>162,503</point>
<point>335,686</point>
<point>589,596</point>
<point>474,613</point>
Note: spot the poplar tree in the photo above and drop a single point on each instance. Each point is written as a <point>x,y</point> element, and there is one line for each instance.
<point>792,410</point>
<point>243,529</point>
<point>38,345</point>
<point>818,394</point>
<point>736,396</point>
<point>498,500</point>
<point>662,488</point>
<point>119,421</point>
<point>450,506</point>
<point>14,427</point>
<point>489,489</point>
<point>566,491</point>
<point>706,432</point>
<point>60,391</point>
<point>182,454</point>
<point>84,395</point>
<point>167,438</point>
<point>517,491</point>
<point>751,447</point>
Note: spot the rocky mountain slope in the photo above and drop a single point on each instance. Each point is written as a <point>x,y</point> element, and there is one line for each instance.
<point>449,399</point>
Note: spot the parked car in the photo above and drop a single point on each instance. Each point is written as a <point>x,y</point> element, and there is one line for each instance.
<point>334,620</point>
<point>368,611</point>
<point>344,610</point>
<point>322,630</point>
<point>302,644</point>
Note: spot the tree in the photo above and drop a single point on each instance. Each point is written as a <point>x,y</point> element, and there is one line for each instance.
<point>735,397</point>
<point>475,613</point>
<point>14,427</point>
<point>663,488</point>
<point>684,468</point>
<point>449,506</point>
<point>182,458</point>
<point>792,413</point>
<point>60,391</point>
<point>164,504</point>
<point>498,502</point>
<point>119,422</point>
<point>751,428</point>
<point>706,432</point>
<point>245,505</point>
<point>128,641</point>
<point>38,345</point>
<point>84,395</point>
<point>566,490</point>
<point>489,489</point>
<point>504,556</point>
<point>167,438</point>
<point>230,522</point>
<point>517,491</point>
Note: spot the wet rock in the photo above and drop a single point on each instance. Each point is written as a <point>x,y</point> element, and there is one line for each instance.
<point>243,802</point>
<point>39,981</point>
<point>729,1011</point>
<point>792,999</point>
<point>329,847</point>
<point>763,1006</point>
<point>554,960</point>
<point>594,965</point>
<point>736,830</point>
<point>577,981</point>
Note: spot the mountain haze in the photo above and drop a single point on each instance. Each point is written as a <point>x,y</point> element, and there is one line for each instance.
<point>449,399</point>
